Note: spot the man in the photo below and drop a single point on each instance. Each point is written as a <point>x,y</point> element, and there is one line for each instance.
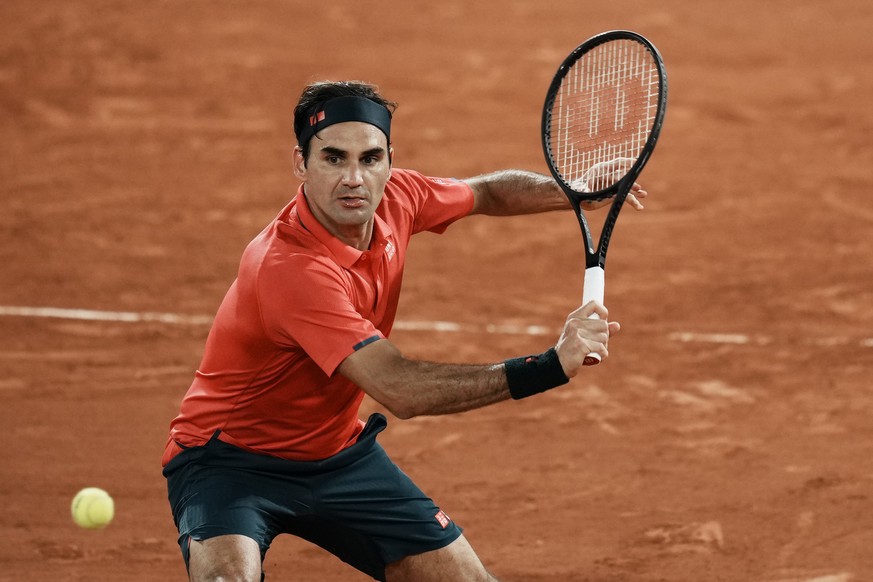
<point>268,439</point>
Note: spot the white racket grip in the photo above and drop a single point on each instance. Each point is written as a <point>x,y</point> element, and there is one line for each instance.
<point>592,290</point>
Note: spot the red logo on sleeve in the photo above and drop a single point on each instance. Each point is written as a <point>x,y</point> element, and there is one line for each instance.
<point>443,519</point>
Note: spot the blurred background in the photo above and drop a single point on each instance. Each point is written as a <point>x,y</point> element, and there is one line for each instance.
<point>727,437</point>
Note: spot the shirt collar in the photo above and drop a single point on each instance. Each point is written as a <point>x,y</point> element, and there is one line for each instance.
<point>345,255</point>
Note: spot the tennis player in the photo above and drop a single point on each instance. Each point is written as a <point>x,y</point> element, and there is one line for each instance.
<point>268,439</point>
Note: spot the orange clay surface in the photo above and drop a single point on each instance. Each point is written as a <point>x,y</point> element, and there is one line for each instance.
<point>727,437</point>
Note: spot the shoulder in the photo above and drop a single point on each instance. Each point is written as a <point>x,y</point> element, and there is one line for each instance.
<point>411,181</point>
<point>285,251</point>
<point>415,189</point>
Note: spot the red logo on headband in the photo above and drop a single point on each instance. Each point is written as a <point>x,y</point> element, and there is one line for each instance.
<point>316,118</point>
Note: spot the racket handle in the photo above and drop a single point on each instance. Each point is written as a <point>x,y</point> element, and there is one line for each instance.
<point>593,290</point>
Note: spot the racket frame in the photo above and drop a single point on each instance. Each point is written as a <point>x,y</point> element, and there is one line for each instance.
<point>596,256</point>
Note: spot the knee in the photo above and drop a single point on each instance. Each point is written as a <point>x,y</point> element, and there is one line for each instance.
<point>227,575</point>
<point>225,559</point>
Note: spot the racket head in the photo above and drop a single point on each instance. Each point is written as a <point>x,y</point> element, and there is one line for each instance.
<point>603,114</point>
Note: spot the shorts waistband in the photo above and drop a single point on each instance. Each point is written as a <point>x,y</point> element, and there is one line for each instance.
<point>219,453</point>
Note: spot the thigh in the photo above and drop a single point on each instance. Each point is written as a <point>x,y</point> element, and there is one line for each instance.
<point>227,557</point>
<point>211,501</point>
<point>373,500</point>
<point>456,562</point>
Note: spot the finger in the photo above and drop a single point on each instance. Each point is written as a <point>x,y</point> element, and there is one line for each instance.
<point>634,202</point>
<point>593,345</point>
<point>625,163</point>
<point>614,328</point>
<point>593,340</point>
<point>589,309</point>
<point>638,191</point>
<point>642,193</point>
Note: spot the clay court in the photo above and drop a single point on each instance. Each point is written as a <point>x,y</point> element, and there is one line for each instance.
<point>727,438</point>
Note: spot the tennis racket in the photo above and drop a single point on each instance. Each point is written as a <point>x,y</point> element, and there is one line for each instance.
<point>602,116</point>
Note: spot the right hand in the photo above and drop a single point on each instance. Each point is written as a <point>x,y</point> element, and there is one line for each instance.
<point>583,335</point>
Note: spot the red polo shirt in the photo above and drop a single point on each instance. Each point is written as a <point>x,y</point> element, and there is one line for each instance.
<point>302,302</point>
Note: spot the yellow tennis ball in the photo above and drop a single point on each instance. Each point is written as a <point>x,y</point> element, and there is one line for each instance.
<point>92,508</point>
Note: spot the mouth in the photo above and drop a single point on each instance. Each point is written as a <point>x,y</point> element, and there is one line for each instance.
<point>353,201</point>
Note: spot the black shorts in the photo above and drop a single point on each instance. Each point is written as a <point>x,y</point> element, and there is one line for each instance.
<point>357,504</point>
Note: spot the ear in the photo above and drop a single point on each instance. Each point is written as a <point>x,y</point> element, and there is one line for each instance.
<point>299,163</point>
<point>390,157</point>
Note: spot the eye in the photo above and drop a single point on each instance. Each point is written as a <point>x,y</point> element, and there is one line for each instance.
<point>333,160</point>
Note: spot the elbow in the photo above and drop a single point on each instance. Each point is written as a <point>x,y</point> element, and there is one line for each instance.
<point>401,409</point>
<point>400,405</point>
<point>387,377</point>
<point>404,414</point>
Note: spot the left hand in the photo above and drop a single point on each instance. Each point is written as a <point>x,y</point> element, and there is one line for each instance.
<point>634,198</point>
<point>602,174</point>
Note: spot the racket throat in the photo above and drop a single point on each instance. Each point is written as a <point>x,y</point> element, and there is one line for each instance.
<point>583,226</point>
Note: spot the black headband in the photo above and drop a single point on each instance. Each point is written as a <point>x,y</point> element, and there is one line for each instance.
<point>342,109</point>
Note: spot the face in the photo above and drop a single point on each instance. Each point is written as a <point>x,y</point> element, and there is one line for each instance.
<point>344,178</point>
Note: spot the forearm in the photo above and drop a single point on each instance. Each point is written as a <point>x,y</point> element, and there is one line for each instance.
<point>410,387</point>
<point>513,192</point>
<point>425,388</point>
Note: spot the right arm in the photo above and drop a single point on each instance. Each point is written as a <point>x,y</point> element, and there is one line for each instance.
<point>409,387</point>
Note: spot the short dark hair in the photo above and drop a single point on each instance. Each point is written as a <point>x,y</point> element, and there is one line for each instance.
<point>316,94</point>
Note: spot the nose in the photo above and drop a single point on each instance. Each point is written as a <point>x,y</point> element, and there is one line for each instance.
<point>353,176</point>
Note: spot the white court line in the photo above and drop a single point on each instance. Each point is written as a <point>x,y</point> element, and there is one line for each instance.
<point>175,318</point>
<point>717,338</point>
<point>91,315</point>
<point>438,326</point>
<point>761,340</point>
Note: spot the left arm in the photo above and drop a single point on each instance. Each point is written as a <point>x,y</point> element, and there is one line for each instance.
<point>513,192</point>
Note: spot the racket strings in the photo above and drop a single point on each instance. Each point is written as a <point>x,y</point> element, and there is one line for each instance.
<point>603,114</point>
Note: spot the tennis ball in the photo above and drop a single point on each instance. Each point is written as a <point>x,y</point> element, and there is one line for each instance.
<point>92,508</point>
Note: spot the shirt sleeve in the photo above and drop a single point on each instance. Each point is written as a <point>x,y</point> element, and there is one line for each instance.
<point>436,202</point>
<point>306,304</point>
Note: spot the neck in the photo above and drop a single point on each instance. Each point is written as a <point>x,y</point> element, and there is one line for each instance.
<point>358,237</point>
